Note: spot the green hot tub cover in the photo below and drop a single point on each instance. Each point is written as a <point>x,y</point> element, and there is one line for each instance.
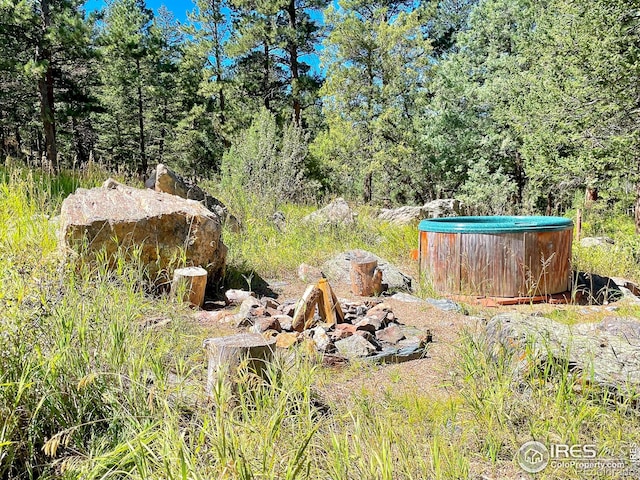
<point>497,224</point>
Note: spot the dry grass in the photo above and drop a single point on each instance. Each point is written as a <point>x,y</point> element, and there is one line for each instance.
<point>86,392</point>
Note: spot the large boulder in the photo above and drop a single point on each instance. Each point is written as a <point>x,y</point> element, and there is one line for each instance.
<point>157,224</point>
<point>446,207</point>
<point>339,267</point>
<point>336,213</point>
<point>162,179</point>
<point>401,216</point>
<point>605,354</point>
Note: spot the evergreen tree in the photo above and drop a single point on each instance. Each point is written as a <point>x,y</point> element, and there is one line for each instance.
<point>127,70</point>
<point>377,62</point>
<point>39,40</point>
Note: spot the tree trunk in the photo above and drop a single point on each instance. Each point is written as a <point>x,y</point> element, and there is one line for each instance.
<point>18,142</point>
<point>368,188</point>
<point>637,207</point>
<point>163,131</point>
<point>293,62</point>
<point>142,170</point>
<point>265,76</point>
<point>45,89</point>
<point>217,55</point>
<point>79,148</point>
<point>590,195</point>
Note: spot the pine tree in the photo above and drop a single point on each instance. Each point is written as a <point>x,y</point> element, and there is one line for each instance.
<point>39,40</point>
<point>377,63</point>
<point>127,71</point>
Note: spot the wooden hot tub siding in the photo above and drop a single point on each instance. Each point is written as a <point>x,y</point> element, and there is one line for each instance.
<point>499,265</point>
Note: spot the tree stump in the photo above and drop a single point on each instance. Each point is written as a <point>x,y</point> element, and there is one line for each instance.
<point>226,354</point>
<point>366,278</point>
<point>195,281</point>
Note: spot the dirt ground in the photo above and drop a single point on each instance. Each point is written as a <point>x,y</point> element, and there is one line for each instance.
<point>430,376</point>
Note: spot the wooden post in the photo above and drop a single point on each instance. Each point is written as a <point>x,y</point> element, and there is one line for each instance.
<point>579,223</point>
<point>195,281</point>
<point>366,278</point>
<point>226,354</point>
<point>306,309</point>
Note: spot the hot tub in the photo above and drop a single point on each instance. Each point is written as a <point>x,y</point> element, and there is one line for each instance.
<point>497,256</point>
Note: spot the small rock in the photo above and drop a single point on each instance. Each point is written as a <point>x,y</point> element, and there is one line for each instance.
<point>237,296</point>
<point>444,304</point>
<point>335,213</point>
<point>368,324</point>
<point>279,221</point>
<point>380,307</point>
<point>270,333</point>
<point>392,334</point>
<point>248,305</point>
<point>322,340</point>
<point>340,333</point>
<point>369,337</point>
<point>241,321</point>
<point>355,346</point>
<point>346,327</point>
<point>262,324</point>
<point>286,339</point>
<point>395,355</point>
<point>309,274</point>
<point>286,322</point>
<point>288,309</point>
<point>351,317</point>
<point>217,316</point>
<point>589,242</point>
<point>270,302</point>
<point>406,297</point>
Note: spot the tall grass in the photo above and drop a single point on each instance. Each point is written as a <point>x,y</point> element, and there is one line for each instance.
<point>86,391</point>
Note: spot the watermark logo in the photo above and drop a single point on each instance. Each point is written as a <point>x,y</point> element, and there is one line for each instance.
<point>621,461</point>
<point>533,457</point>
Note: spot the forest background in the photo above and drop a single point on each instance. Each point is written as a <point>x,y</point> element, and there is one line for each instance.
<point>513,106</point>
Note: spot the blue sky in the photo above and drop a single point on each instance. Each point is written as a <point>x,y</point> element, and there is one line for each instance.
<point>179,8</point>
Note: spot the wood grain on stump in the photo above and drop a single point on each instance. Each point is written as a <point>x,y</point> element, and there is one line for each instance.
<point>226,354</point>
<point>366,278</point>
<point>328,305</point>
<point>306,309</point>
<point>194,280</point>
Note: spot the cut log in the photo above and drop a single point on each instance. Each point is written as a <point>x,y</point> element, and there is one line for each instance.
<point>339,312</point>
<point>366,277</point>
<point>328,305</point>
<point>306,309</point>
<point>226,354</point>
<point>194,280</point>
